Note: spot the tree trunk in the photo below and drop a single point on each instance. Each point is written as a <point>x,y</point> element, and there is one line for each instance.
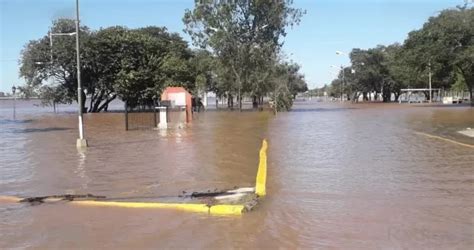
<point>83,104</point>
<point>365,97</point>
<point>255,102</point>
<point>239,98</point>
<point>106,104</point>
<point>230,101</point>
<point>96,102</point>
<point>427,95</point>
<point>355,96</point>
<point>471,96</point>
<point>93,97</point>
<point>386,96</point>
<point>469,78</point>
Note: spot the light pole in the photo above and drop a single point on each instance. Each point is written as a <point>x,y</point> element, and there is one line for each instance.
<point>51,62</point>
<point>429,78</point>
<point>343,82</point>
<point>343,75</point>
<point>51,34</point>
<point>14,102</point>
<point>81,141</point>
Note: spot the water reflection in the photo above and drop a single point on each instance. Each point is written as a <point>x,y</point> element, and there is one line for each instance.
<point>81,169</point>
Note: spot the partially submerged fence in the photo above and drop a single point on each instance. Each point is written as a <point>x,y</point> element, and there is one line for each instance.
<point>147,115</point>
<point>142,115</point>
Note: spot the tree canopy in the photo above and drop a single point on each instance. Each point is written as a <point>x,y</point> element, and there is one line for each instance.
<point>245,38</point>
<point>239,55</point>
<point>133,64</point>
<point>444,45</point>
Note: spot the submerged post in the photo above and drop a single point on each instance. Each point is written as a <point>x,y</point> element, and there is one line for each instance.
<point>163,118</point>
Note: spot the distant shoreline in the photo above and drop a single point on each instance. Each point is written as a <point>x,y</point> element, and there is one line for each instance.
<point>18,98</point>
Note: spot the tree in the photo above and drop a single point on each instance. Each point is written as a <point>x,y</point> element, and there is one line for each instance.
<point>444,45</point>
<point>371,72</point>
<point>447,41</point>
<point>134,65</point>
<point>41,61</point>
<point>296,81</point>
<point>52,95</point>
<point>244,35</point>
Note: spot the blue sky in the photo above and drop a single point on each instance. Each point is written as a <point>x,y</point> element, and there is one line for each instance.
<point>329,25</point>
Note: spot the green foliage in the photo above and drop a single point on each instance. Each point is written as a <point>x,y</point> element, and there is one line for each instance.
<point>133,64</point>
<point>241,43</point>
<point>445,44</point>
<point>52,95</point>
<point>283,100</point>
<point>245,39</point>
<point>460,83</point>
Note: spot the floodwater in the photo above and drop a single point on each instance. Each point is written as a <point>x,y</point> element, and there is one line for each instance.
<point>339,176</point>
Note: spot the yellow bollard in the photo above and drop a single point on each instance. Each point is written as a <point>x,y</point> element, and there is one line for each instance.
<point>260,183</point>
<point>179,206</point>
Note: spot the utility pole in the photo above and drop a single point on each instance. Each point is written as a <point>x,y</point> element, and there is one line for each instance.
<point>429,77</point>
<point>343,75</point>
<point>81,142</point>
<point>342,85</point>
<point>14,102</point>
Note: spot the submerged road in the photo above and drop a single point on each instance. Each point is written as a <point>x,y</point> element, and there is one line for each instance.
<point>339,176</point>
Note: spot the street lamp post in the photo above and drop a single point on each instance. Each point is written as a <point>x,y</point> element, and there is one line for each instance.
<point>14,102</point>
<point>429,78</point>
<point>51,34</point>
<point>343,82</point>
<point>343,76</point>
<point>81,141</point>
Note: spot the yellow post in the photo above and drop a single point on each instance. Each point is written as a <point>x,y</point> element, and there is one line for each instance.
<point>262,171</point>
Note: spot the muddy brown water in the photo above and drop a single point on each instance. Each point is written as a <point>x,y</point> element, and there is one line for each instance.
<point>339,176</point>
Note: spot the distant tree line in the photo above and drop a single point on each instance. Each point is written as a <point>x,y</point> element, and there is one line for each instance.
<point>445,44</point>
<point>238,54</point>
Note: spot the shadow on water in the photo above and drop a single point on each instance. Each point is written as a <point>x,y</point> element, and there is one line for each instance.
<point>321,109</point>
<point>102,145</point>
<point>9,121</point>
<point>38,130</point>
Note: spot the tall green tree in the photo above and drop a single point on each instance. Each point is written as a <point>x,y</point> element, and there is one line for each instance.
<point>244,35</point>
<point>446,42</point>
<point>132,64</point>
<point>42,61</point>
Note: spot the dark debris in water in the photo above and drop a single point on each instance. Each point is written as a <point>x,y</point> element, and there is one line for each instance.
<point>65,197</point>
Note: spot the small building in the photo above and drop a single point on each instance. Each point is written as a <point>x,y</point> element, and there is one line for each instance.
<point>179,98</point>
